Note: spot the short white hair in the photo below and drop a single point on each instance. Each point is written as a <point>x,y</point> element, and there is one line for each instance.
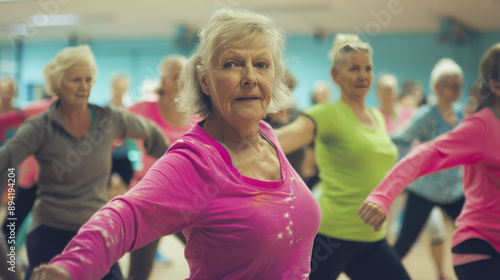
<point>444,69</point>
<point>232,28</point>
<point>344,44</point>
<point>66,58</point>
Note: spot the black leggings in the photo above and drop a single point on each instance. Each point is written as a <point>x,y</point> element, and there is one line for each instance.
<point>359,260</point>
<point>416,214</point>
<point>44,243</point>
<point>123,167</point>
<point>478,270</point>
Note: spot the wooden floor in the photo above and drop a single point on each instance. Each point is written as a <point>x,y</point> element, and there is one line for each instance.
<point>418,262</point>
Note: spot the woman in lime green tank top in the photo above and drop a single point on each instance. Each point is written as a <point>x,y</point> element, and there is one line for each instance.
<point>354,152</point>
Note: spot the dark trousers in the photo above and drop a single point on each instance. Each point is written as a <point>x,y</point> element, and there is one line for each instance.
<point>359,260</point>
<point>479,270</point>
<point>44,243</point>
<point>123,167</point>
<point>416,214</point>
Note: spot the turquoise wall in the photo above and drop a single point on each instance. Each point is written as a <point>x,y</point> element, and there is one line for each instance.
<point>405,55</point>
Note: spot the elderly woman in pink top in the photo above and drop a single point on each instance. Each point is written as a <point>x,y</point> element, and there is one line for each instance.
<point>245,212</point>
<point>475,144</point>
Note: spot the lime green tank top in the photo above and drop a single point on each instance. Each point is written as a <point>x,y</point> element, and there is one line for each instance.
<point>352,160</point>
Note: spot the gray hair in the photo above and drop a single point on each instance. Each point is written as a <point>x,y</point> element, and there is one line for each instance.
<point>232,28</point>
<point>444,69</point>
<point>66,58</point>
<point>344,44</point>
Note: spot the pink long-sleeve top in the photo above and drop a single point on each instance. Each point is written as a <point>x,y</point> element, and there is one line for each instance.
<point>474,143</point>
<point>236,227</point>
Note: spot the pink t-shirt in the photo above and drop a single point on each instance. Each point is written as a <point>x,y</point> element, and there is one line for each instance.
<point>236,227</point>
<point>405,115</point>
<point>474,143</point>
<point>151,111</point>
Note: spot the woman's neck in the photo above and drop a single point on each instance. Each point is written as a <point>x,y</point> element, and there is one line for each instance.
<point>357,104</point>
<point>5,106</point>
<point>235,137</point>
<point>443,106</point>
<point>447,112</point>
<point>73,114</point>
<point>117,102</point>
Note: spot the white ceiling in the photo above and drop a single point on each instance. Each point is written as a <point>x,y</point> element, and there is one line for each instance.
<point>119,19</point>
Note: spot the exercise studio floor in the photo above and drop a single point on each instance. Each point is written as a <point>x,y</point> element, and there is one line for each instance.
<point>418,262</point>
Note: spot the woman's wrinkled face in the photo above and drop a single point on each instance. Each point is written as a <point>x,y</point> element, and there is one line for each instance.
<point>239,82</point>
<point>75,85</point>
<point>354,76</point>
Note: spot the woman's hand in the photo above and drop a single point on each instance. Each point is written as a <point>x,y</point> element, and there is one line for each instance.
<point>372,214</point>
<point>50,272</point>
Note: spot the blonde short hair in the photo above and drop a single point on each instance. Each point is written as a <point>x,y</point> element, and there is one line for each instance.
<point>66,58</point>
<point>344,44</point>
<point>232,28</point>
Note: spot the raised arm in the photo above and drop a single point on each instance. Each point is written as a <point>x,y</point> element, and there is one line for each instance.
<point>150,210</point>
<point>137,127</point>
<point>463,145</point>
<point>297,134</point>
<point>24,143</point>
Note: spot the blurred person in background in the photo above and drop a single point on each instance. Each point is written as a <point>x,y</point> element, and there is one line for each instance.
<point>173,124</point>
<point>412,94</point>
<point>443,189</point>
<point>71,142</point>
<point>321,92</point>
<point>398,117</point>
<point>8,90</point>
<point>121,169</point>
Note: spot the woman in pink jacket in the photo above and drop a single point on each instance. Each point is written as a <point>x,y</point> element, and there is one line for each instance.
<point>475,143</point>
